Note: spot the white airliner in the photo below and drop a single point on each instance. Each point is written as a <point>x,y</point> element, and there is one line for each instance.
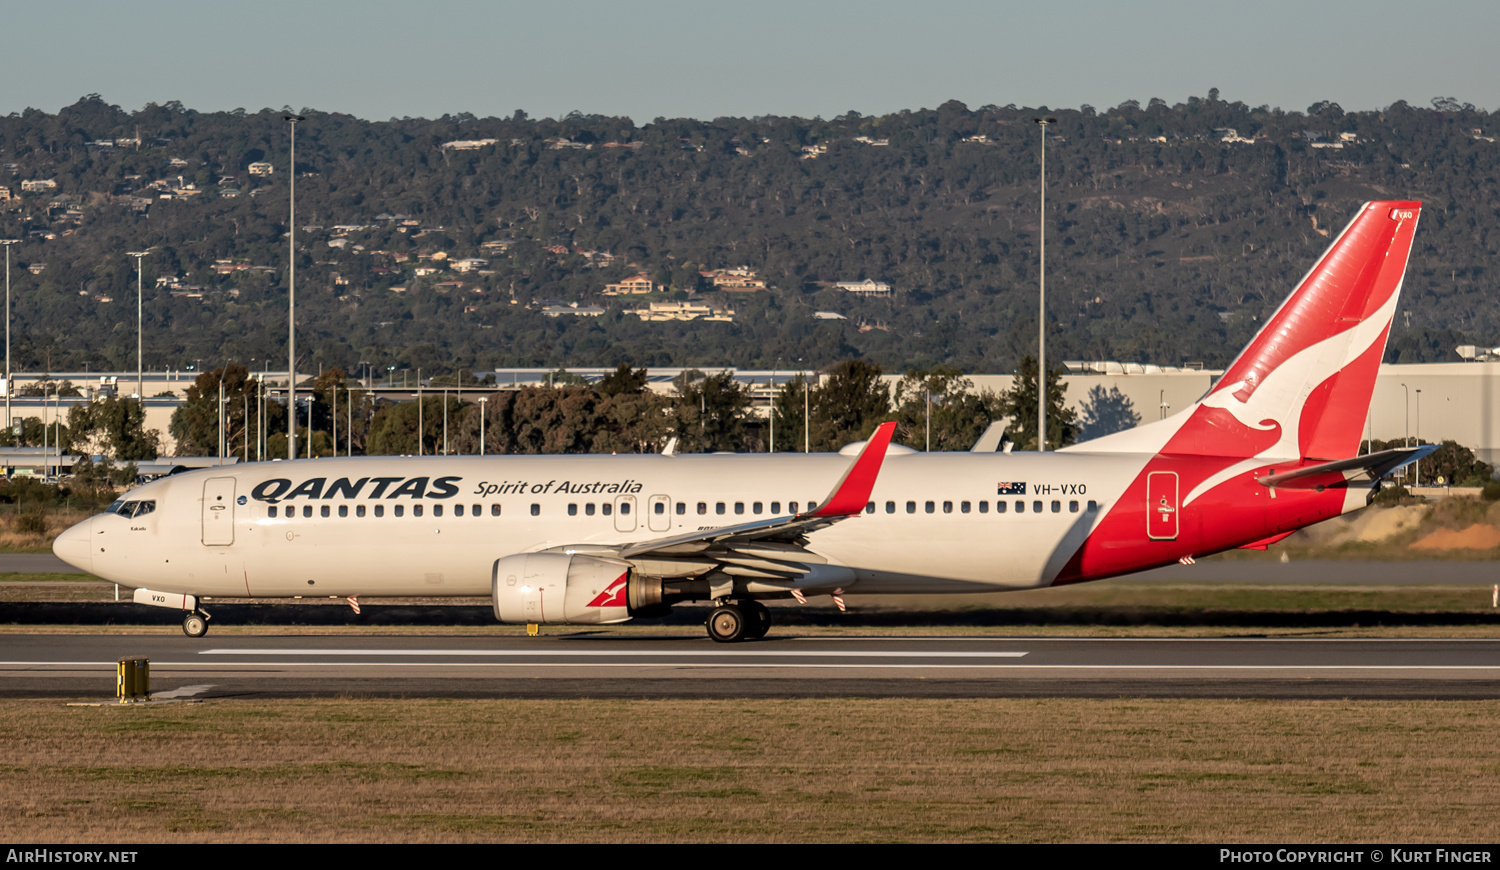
<point>1271,448</point>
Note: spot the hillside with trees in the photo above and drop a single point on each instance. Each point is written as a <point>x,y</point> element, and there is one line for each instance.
<point>1172,230</point>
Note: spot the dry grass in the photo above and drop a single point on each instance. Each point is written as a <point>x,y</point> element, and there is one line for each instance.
<point>13,539</point>
<point>792,770</point>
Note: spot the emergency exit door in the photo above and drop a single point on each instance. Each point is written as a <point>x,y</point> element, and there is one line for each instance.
<point>218,511</point>
<point>1162,508</point>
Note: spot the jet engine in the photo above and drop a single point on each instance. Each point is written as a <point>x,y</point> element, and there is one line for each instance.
<point>561,588</point>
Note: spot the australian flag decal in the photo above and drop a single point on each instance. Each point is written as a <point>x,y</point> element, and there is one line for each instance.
<point>1004,488</point>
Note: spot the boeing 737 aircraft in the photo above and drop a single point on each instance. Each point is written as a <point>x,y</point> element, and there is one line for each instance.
<point>1271,448</point>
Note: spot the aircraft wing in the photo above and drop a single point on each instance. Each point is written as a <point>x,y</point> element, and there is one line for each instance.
<point>772,548</point>
<point>1376,465</point>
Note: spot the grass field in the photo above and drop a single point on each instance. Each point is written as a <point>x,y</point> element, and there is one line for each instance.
<point>857,770</point>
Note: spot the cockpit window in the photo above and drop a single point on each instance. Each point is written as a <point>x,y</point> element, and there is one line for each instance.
<point>129,509</point>
<point>144,507</point>
<point>115,506</point>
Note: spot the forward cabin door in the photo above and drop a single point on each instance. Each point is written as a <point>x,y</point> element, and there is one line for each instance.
<point>1162,508</point>
<point>218,512</point>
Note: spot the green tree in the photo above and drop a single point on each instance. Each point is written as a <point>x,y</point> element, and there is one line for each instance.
<point>622,380</point>
<point>114,427</point>
<point>709,413</point>
<point>939,409</point>
<point>794,402</point>
<point>1019,403</point>
<point>845,407</point>
<point>1105,413</point>
<point>195,424</point>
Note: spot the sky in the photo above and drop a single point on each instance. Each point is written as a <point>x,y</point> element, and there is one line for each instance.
<point>378,59</point>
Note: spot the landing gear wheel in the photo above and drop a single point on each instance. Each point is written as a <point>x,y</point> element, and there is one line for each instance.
<point>759,618</point>
<point>727,624</point>
<point>195,625</point>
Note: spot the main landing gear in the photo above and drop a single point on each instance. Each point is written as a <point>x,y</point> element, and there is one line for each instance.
<point>743,620</point>
<point>195,624</point>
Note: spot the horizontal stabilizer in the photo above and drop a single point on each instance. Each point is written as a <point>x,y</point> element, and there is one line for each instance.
<point>1376,465</point>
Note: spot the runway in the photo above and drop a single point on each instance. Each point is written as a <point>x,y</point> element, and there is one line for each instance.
<point>581,665</point>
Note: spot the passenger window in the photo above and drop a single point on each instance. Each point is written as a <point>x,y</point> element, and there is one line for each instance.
<point>343,510</point>
<point>271,511</point>
<point>416,510</point>
<point>911,507</point>
<point>739,507</point>
<point>963,507</point>
<point>1036,507</point>
<point>437,510</point>
<point>681,508</point>
<point>307,511</point>
<point>458,510</point>
<point>1056,506</point>
<point>494,510</point>
<point>890,507</point>
<point>380,510</point>
<point>870,508</point>
<point>536,510</point>
<point>947,507</point>
<point>659,508</point>
<point>984,507</point>
<point>605,509</point>
<point>398,510</point>
<point>791,508</point>
<point>776,507</point>
<point>572,510</point>
<point>1020,506</point>
<point>624,507</point>
<point>1000,507</point>
<point>719,508</point>
<point>1093,506</point>
<point>931,507</point>
<point>323,511</point>
<point>702,508</point>
<point>359,510</point>
<point>477,511</point>
<point>755,508</point>
<point>588,509</point>
<point>1073,507</point>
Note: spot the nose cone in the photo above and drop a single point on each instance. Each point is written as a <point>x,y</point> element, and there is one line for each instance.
<point>76,547</point>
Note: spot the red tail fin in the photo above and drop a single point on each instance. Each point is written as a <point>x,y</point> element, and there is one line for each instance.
<point>1302,388</point>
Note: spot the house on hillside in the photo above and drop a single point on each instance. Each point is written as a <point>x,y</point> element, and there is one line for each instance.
<point>867,287</point>
<point>636,285</point>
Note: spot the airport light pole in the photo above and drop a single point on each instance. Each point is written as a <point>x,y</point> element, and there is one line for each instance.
<point>9,387</point>
<point>1041,312</point>
<point>1418,463</point>
<point>140,328</point>
<point>483,400</point>
<point>1406,403</point>
<point>291,303</point>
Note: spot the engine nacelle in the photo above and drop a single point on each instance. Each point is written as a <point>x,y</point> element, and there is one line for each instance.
<point>560,588</point>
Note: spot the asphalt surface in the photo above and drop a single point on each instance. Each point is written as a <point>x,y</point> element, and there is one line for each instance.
<point>582,664</point>
<point>1442,573</point>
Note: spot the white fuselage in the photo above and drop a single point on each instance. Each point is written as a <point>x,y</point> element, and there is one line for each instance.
<point>939,522</point>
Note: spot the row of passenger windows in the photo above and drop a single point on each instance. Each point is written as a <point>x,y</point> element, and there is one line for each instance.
<point>1037,506</point>
<point>397,510</point>
<point>659,508</point>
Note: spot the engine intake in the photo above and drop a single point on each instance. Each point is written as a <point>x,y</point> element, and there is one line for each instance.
<point>561,588</point>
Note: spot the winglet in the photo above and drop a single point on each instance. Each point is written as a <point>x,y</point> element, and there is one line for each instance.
<point>852,493</point>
